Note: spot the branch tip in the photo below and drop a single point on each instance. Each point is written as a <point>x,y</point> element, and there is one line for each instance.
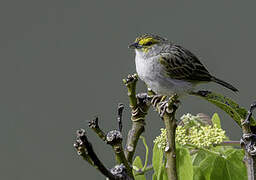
<point>94,123</point>
<point>130,79</point>
<point>120,109</point>
<point>119,171</point>
<point>114,137</point>
<point>84,148</point>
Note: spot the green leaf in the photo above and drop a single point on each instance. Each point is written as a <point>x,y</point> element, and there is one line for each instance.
<point>163,174</point>
<point>230,166</point>
<point>216,120</point>
<point>146,147</point>
<point>220,170</point>
<point>184,164</point>
<point>237,165</point>
<point>138,164</point>
<point>198,157</point>
<point>203,171</point>
<point>198,175</point>
<point>226,104</point>
<point>227,150</point>
<point>154,177</point>
<point>157,159</point>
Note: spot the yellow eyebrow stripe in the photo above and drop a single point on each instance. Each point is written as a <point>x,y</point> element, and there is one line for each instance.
<point>145,40</point>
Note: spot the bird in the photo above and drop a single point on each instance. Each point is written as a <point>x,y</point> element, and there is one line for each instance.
<point>168,68</point>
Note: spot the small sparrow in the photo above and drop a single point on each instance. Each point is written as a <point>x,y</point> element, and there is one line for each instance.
<point>169,69</point>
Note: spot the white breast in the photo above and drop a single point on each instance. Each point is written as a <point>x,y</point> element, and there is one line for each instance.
<point>144,67</point>
<point>152,73</point>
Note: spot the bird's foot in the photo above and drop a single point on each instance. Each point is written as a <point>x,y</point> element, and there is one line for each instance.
<point>157,99</point>
<point>163,108</point>
<point>167,106</point>
<point>162,105</point>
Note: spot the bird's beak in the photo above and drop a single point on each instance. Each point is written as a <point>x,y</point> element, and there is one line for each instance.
<point>135,45</point>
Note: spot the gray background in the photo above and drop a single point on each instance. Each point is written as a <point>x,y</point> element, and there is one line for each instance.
<point>62,63</point>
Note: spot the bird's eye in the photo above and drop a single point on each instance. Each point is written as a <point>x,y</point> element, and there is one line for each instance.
<point>149,43</point>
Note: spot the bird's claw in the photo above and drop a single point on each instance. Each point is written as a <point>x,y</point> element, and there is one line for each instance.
<point>164,107</point>
<point>157,99</point>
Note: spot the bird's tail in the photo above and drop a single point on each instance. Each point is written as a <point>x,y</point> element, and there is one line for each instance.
<point>223,83</point>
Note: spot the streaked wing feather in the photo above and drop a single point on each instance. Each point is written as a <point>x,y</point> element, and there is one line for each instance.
<point>181,64</point>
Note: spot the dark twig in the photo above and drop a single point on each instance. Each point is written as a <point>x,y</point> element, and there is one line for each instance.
<point>84,148</point>
<point>94,125</point>
<point>248,143</point>
<point>139,106</point>
<point>114,138</point>
<point>120,172</point>
<point>120,109</point>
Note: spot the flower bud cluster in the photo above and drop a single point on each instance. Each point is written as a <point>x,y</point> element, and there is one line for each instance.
<point>200,136</point>
<point>195,134</point>
<point>161,139</point>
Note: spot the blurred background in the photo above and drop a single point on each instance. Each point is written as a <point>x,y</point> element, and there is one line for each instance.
<point>62,63</point>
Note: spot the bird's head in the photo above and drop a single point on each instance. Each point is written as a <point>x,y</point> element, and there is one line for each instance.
<point>145,42</point>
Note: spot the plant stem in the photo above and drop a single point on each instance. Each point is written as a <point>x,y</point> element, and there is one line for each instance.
<point>229,143</point>
<point>139,107</point>
<point>248,159</point>
<point>130,83</point>
<point>170,125</point>
<point>114,138</point>
<point>120,109</point>
<point>146,156</point>
<point>170,151</point>
<point>94,125</point>
<point>248,144</point>
<point>132,139</point>
<point>143,170</point>
<point>121,159</point>
<point>85,149</point>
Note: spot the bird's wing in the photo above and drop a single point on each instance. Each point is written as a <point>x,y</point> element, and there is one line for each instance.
<point>181,64</point>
